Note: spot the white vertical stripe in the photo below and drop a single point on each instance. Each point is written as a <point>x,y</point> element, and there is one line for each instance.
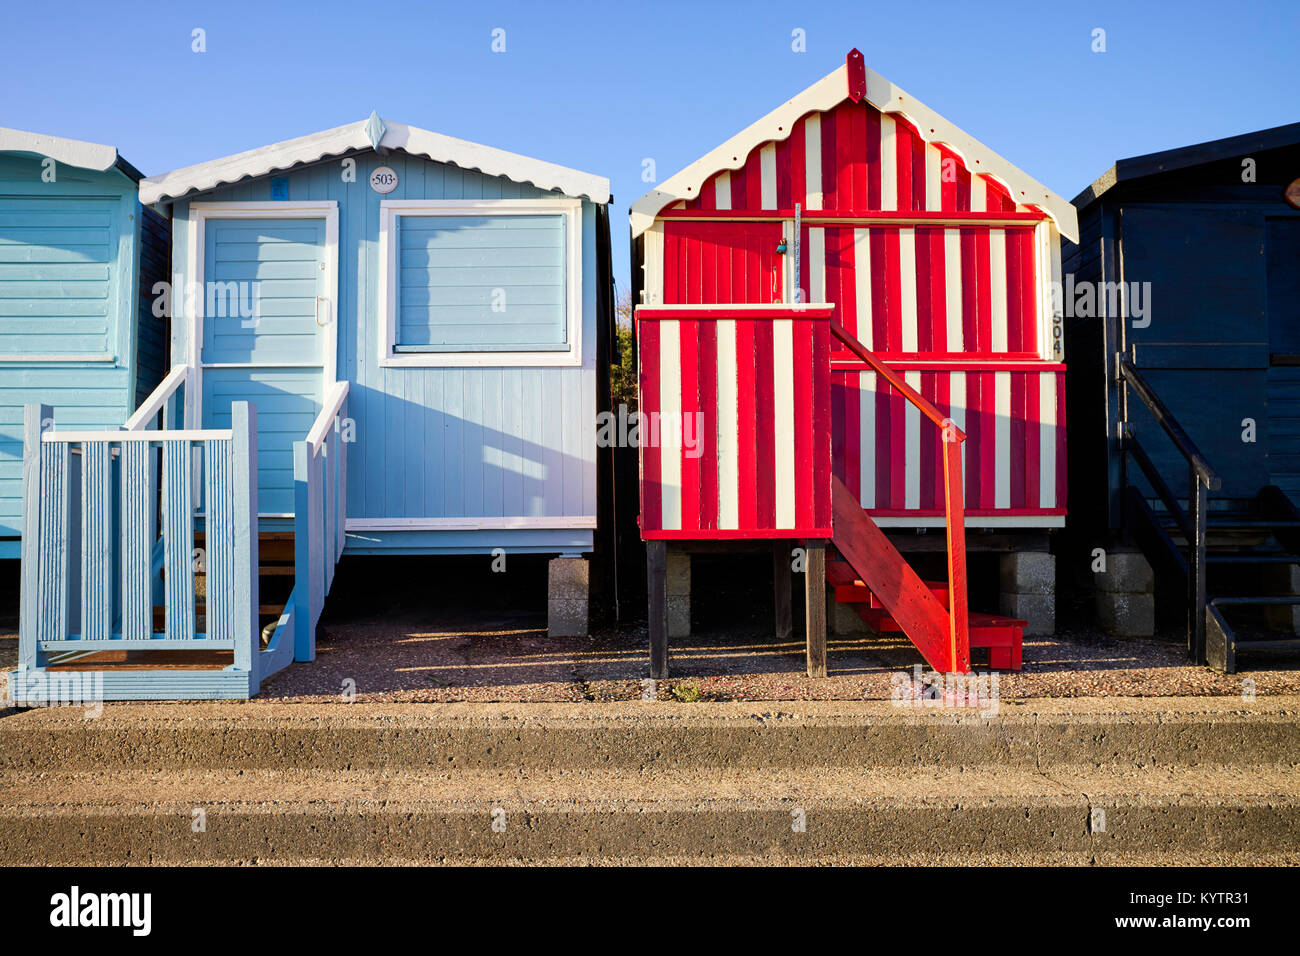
<point>812,138</point>
<point>912,446</point>
<point>767,175</point>
<point>862,283</point>
<point>888,164</point>
<point>816,264</point>
<point>978,197</point>
<point>867,431</point>
<point>933,188</point>
<point>1046,440</point>
<point>907,287</point>
<point>670,422</point>
<point>722,198</point>
<point>952,288</point>
<point>998,286</point>
<point>1002,441</point>
<point>957,405</point>
<point>728,427</point>
<point>653,293</point>
<point>783,401</point>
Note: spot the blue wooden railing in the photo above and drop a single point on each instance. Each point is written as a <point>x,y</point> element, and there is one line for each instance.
<point>109,529</point>
<point>320,496</point>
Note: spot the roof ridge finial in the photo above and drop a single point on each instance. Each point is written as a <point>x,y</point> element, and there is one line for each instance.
<point>857,68</point>
<point>375,129</point>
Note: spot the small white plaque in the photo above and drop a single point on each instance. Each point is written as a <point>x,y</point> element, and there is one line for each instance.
<point>383,180</point>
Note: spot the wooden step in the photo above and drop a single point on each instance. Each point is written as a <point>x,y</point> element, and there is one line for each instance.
<point>1003,636</point>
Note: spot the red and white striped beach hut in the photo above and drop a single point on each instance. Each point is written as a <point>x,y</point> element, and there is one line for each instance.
<point>814,289</point>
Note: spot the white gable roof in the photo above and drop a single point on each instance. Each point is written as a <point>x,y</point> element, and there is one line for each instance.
<point>355,136</point>
<point>70,152</point>
<point>826,94</point>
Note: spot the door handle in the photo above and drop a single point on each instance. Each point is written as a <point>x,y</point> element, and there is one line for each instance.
<point>322,299</point>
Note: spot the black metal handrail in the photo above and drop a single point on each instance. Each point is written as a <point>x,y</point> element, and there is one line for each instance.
<point>1165,418</point>
<point>1201,479</point>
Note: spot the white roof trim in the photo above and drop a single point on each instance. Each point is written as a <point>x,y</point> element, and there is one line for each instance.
<point>826,94</point>
<point>344,139</point>
<point>70,152</point>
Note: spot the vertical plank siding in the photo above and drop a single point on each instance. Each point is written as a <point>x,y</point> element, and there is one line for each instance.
<point>97,584</point>
<point>138,488</point>
<point>178,539</point>
<point>219,536</point>
<point>742,474</point>
<point>954,307</point>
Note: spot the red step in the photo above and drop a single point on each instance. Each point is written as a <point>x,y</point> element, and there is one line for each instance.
<point>1001,635</point>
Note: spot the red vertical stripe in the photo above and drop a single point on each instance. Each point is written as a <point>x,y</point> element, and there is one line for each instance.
<point>1060,440</point>
<point>989,436</point>
<point>1033,441</point>
<point>974,439</point>
<point>804,439</point>
<point>648,360</point>
<point>690,405</point>
<point>830,177</point>
<point>903,164</point>
<point>707,435</point>
<point>872,133</point>
<point>798,163</point>
<point>820,493</point>
<point>929,332</point>
<point>893,291</point>
<point>937,291</point>
<point>747,426</point>
<point>1019,457</point>
<point>764,411</point>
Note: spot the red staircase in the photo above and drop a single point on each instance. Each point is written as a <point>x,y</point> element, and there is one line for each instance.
<point>880,583</point>
<point>1001,635</point>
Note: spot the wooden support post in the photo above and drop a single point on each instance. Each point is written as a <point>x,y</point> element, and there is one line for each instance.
<point>815,606</point>
<point>782,588</point>
<point>657,590</point>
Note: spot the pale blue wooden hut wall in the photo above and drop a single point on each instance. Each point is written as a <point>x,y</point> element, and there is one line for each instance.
<point>442,442</point>
<point>69,283</point>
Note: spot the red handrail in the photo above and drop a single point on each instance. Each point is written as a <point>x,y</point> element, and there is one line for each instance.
<point>951,432</point>
<point>954,506</point>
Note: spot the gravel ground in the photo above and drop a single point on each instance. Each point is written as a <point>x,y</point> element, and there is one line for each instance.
<point>391,642</point>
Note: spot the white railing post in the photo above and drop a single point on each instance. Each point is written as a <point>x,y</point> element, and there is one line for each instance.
<point>307,551</point>
<point>244,604</point>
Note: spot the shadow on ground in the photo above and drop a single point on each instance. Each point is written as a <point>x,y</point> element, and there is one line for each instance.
<point>439,629</point>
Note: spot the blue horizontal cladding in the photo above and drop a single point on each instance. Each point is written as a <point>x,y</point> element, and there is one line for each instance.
<point>262,277</point>
<point>528,541</point>
<point>510,440</point>
<point>480,282</point>
<point>287,401</point>
<point>68,252</point>
<point>58,278</point>
<point>82,396</point>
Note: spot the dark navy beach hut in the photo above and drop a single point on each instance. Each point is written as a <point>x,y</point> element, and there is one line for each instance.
<point>1182,301</point>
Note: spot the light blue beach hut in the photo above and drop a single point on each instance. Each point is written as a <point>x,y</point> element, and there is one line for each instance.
<point>384,341</point>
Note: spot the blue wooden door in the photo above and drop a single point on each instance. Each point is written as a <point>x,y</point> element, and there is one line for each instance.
<point>266,329</point>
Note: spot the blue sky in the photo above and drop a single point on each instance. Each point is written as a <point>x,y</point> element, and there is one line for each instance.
<point>602,86</point>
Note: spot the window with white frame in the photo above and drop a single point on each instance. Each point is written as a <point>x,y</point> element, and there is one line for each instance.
<point>478,282</point>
